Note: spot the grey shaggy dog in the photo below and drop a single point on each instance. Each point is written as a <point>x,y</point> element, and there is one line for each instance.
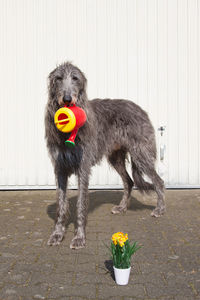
<point>114,128</point>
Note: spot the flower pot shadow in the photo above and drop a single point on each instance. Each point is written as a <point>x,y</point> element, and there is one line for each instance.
<point>109,266</point>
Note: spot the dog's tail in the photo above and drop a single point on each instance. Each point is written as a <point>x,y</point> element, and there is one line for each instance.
<point>139,181</point>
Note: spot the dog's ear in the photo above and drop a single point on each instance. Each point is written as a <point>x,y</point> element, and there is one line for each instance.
<point>52,84</point>
<point>84,87</point>
<point>53,76</point>
<point>85,84</point>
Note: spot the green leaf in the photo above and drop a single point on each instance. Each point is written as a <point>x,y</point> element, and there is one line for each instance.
<point>121,256</point>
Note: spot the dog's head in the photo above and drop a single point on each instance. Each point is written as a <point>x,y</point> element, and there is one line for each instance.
<point>66,84</point>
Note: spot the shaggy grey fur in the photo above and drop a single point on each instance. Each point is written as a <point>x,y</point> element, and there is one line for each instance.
<point>113,129</point>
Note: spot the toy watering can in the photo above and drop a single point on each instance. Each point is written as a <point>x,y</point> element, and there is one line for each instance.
<point>70,119</point>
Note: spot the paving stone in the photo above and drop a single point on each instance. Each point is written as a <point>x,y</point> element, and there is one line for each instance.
<point>166,268</point>
<point>9,293</point>
<point>173,288</point>
<point>131,290</point>
<point>180,297</point>
<point>85,291</point>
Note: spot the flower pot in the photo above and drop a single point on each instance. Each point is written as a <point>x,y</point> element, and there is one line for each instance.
<point>122,275</point>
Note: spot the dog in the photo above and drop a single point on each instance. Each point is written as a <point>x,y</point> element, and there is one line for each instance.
<point>114,129</point>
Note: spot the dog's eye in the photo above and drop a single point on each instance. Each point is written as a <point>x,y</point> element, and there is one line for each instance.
<point>59,78</point>
<point>75,78</point>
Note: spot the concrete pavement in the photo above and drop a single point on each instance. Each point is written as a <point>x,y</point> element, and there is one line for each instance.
<point>167,267</point>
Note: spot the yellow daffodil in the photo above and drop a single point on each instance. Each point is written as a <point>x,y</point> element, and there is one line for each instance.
<point>120,238</point>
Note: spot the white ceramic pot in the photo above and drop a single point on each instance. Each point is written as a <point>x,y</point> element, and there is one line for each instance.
<point>122,275</point>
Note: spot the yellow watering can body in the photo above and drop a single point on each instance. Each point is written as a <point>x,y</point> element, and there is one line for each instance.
<point>65,119</point>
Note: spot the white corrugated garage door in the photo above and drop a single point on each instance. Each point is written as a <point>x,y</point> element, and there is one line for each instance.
<point>144,50</point>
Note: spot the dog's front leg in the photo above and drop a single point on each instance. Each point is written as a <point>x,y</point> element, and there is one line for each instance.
<point>82,207</point>
<point>62,207</point>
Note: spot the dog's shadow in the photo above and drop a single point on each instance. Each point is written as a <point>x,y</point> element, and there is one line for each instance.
<point>97,199</point>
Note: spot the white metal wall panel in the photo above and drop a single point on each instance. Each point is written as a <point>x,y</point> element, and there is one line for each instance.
<point>144,50</point>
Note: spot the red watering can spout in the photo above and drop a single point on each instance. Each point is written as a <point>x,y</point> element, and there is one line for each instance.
<point>70,142</point>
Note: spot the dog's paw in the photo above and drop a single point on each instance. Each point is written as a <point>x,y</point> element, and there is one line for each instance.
<point>158,212</point>
<point>55,239</point>
<point>118,209</point>
<point>77,243</point>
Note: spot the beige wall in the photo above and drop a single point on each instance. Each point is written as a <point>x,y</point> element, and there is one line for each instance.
<point>144,50</point>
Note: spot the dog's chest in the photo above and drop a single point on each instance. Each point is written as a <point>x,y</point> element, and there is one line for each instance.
<point>69,159</point>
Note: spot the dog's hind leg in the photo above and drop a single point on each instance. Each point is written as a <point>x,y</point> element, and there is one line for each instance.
<point>117,160</point>
<point>62,208</point>
<point>142,165</point>
<point>159,189</point>
<point>82,208</point>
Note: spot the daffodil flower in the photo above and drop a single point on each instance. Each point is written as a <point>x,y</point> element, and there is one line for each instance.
<point>120,238</point>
